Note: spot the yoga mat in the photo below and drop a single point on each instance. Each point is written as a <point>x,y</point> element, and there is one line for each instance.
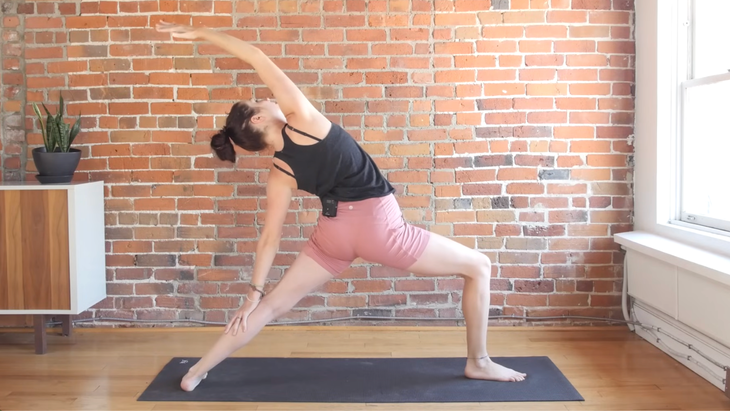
<point>359,380</point>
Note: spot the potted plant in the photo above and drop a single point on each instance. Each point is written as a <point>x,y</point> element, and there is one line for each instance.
<point>56,161</point>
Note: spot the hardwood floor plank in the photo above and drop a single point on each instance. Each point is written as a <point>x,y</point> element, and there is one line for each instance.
<point>336,354</point>
<point>33,404</point>
<point>112,404</point>
<point>415,406</point>
<point>212,406</point>
<point>95,369</point>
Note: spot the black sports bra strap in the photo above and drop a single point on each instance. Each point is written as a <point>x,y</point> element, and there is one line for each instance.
<point>303,133</point>
<point>285,172</point>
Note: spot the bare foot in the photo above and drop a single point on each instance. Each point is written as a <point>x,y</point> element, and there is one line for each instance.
<point>485,369</point>
<point>190,380</point>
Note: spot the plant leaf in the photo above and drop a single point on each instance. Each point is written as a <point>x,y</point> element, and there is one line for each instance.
<point>59,114</point>
<point>43,126</point>
<point>52,130</point>
<point>51,135</point>
<point>64,136</point>
<point>67,130</point>
<point>74,131</point>
<point>55,133</point>
<point>60,105</point>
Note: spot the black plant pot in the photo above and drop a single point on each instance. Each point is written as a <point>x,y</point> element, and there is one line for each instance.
<point>56,167</point>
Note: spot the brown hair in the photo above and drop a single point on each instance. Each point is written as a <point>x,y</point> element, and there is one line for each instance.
<point>238,130</point>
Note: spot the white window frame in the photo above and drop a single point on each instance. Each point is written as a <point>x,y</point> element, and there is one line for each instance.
<point>721,227</point>
<point>661,32</point>
<point>685,72</point>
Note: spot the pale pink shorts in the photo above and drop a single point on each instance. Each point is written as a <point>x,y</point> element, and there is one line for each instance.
<point>372,229</point>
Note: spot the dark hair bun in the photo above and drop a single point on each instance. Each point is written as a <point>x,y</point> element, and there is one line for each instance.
<point>223,147</point>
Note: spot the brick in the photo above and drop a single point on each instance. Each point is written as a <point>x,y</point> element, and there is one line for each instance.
<point>133,302</point>
<point>133,273</point>
<point>168,274</point>
<point>492,32</point>
<point>427,299</point>
<point>175,302</point>
<point>220,302</point>
<point>153,288</point>
<point>197,288</point>
<point>34,22</point>
<point>563,300</point>
<point>564,271</point>
<point>526,300</point>
<point>544,60</point>
<point>217,275</point>
<point>371,286</point>
<point>608,17</point>
<point>346,301</point>
<point>588,31</point>
<point>530,286</point>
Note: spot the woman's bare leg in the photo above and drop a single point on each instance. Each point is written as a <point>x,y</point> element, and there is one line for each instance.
<point>303,277</point>
<point>443,256</point>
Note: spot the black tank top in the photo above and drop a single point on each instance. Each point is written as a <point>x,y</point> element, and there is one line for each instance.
<point>335,167</point>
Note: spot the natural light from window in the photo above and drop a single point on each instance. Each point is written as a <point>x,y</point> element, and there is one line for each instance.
<point>706,148</point>
<point>711,37</point>
<point>705,133</point>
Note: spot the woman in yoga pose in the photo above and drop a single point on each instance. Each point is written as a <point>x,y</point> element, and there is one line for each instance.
<point>360,215</point>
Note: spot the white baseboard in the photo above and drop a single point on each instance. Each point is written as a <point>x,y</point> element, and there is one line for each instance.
<point>649,316</point>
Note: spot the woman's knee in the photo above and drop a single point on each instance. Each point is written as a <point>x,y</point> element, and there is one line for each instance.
<point>480,267</point>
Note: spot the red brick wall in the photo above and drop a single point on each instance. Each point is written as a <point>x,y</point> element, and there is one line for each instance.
<point>507,129</point>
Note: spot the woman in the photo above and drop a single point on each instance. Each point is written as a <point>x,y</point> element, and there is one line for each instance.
<point>360,217</point>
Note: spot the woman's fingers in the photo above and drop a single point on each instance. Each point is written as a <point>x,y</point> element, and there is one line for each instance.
<point>228,326</point>
<point>233,324</point>
<point>237,326</point>
<point>164,26</point>
<point>176,30</point>
<point>238,322</point>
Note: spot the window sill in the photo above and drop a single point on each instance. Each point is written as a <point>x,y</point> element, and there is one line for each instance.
<point>702,262</point>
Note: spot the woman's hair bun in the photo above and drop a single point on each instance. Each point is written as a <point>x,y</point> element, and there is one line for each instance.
<point>223,147</point>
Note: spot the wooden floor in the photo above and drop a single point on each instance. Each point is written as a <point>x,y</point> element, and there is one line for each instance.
<point>107,369</point>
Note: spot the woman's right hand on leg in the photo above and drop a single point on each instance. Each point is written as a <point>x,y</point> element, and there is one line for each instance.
<point>240,318</point>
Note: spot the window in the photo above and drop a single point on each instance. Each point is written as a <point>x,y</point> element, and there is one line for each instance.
<point>704,133</point>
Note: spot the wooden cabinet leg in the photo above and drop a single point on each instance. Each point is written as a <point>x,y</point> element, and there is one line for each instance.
<point>41,340</point>
<point>66,325</point>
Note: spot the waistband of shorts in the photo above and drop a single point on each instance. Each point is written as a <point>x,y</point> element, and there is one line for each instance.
<point>387,197</point>
<point>369,205</point>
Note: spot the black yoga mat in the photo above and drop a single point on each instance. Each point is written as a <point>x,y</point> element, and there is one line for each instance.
<point>359,380</point>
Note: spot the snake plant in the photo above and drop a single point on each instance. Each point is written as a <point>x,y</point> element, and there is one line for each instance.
<point>57,135</point>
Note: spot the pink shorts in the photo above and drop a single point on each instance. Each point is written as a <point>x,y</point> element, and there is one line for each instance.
<point>372,229</point>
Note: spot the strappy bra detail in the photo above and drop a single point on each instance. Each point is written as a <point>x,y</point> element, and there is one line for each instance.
<point>284,171</point>
<point>302,133</point>
<point>333,167</point>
